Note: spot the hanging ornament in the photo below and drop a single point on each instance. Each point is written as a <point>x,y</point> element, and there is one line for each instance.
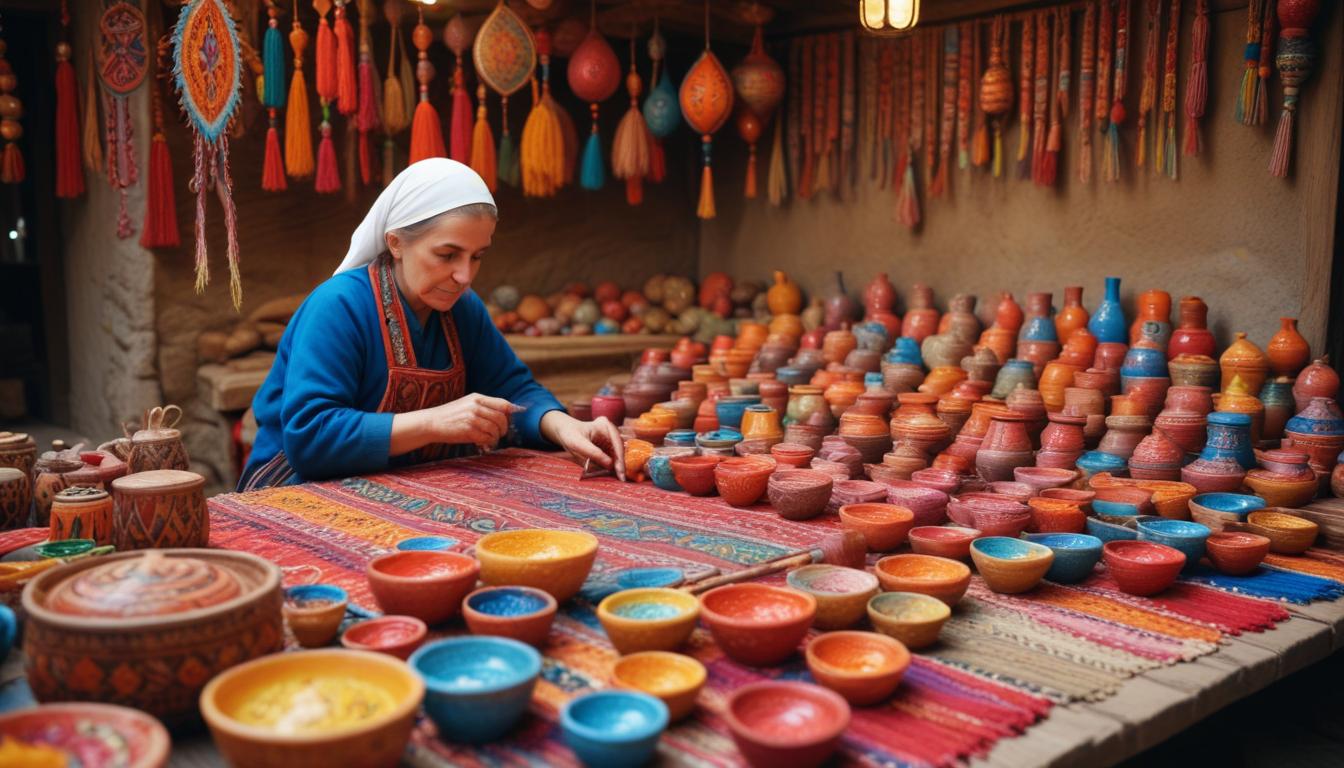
<point>965,42</point>
<point>980,147</point>
<point>367,119</point>
<point>1087,90</point>
<point>1246,95</point>
<point>1040,101</point>
<point>1025,102</point>
<point>662,112</point>
<point>630,149</point>
<point>1165,162</point>
<point>122,62</point>
<point>885,71</point>
<point>208,71</point>
<point>11,109</point>
<point>457,36</point>
<point>933,52</point>
<point>505,56</point>
<point>909,130</point>
<point>869,102</point>
<point>347,87</point>
<point>1101,106</point>
<point>996,88</point>
<point>828,167</point>
<point>1295,60</point>
<point>1148,90</point>
<point>69,172</point>
<point>805,118</point>
<point>273,98</point>
<point>542,155</point>
<point>1259,114</point>
<point>847,165</point>
<point>594,75</point>
<point>1197,87</point>
<point>948,122</point>
<point>426,135</point>
<point>777,178</point>
<point>1111,166</point>
<point>793,138</point>
<point>759,83</point>
<point>92,142</point>
<point>1059,107</point>
<point>707,102</point>
<point>395,117</point>
<point>159,229</point>
<point>328,92</point>
<point>298,141</point>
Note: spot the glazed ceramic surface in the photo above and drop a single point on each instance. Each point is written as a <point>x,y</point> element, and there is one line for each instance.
<point>651,619</point>
<point>1183,535</point>
<point>613,728</point>
<point>673,678</point>
<point>90,735</point>
<point>427,543</point>
<point>884,526</point>
<point>1236,553</point>
<point>1142,567</point>
<point>1010,565</point>
<point>397,636</point>
<point>913,618</point>
<point>863,667</point>
<point>943,541</point>
<point>1076,555</point>
<point>555,561</point>
<point>521,613</point>
<point>756,624</point>
<point>477,688</point>
<point>427,585</point>
<point>841,593</point>
<point>776,723</point>
<point>314,613</point>
<point>937,577</point>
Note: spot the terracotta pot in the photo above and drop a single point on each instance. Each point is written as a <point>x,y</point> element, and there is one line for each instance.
<point>761,422</point>
<point>1142,567</point>
<point>1056,516</point>
<point>1153,306</point>
<point>695,474</point>
<point>1055,378</point>
<point>1194,370</point>
<point>917,425</point>
<point>1190,399</point>
<point>53,473</point>
<point>879,295</point>
<point>16,498</point>
<point>742,481</point>
<point>1080,349</point>
<point>1238,553</point>
<point>1192,336</point>
<point>942,379</point>
<point>1039,325</point>
<point>18,450</point>
<point>1110,355</point>
<point>921,318</point>
<point>1287,350</point>
<point>1123,434</point>
<point>1072,315</point>
<point>82,512</point>
<point>160,509</point>
<point>1030,404</point>
<point>1013,374</point>
<point>1238,399</point>
<point>1316,380</point>
<point>1243,358</point>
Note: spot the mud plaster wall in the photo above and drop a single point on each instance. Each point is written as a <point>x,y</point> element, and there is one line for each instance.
<point>1225,231</point>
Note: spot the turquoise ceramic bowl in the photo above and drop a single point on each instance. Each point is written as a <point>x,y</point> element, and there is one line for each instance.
<point>1239,504</point>
<point>1010,565</point>
<point>680,438</point>
<point>1075,555</point>
<point>427,544</point>
<point>1188,537</point>
<point>1092,462</point>
<point>613,728</point>
<point>477,688</point>
<point>660,472</point>
<point>1107,531</point>
<point>730,410</point>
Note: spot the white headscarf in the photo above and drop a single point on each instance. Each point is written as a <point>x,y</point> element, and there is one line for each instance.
<point>423,190</point>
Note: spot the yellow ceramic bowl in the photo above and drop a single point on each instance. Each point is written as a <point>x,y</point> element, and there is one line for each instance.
<point>1288,534</point>
<point>556,561</point>
<point>649,619</point>
<point>252,715</point>
<point>672,677</point>
<point>910,617</point>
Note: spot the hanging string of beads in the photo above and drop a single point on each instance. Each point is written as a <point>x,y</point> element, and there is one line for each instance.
<point>328,92</point>
<point>1166,144</point>
<point>1059,110</point>
<point>933,53</point>
<point>1197,83</point>
<point>996,88</point>
<point>298,142</point>
<point>1040,101</point>
<point>11,130</point>
<point>1296,57</point>
<point>426,134</point>
<point>272,98</point>
<point>1087,90</point>
<point>1148,90</point>
<point>1105,65</point>
<point>122,64</point>
<point>828,96</point>
<point>69,172</point>
<point>1111,167</point>
<point>886,110</point>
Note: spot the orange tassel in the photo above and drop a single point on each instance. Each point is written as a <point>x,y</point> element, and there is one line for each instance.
<point>328,87</point>
<point>426,134</point>
<point>298,142</point>
<point>347,91</point>
<point>160,226</point>
<point>69,172</point>
<point>273,168</point>
<point>328,176</point>
<point>705,209</point>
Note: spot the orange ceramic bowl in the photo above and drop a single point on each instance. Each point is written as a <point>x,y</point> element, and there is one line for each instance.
<point>648,619</point>
<point>937,577</point>
<point>884,526</point>
<point>943,541</point>
<point>1056,516</point>
<point>671,677</point>
<point>741,481</point>
<point>427,585</point>
<point>695,474</point>
<point>864,667</point>
<point>1236,553</point>
<point>1288,534</point>
<point>756,624</point>
<point>1142,567</point>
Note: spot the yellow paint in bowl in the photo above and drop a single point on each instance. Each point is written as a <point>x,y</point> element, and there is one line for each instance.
<point>316,704</point>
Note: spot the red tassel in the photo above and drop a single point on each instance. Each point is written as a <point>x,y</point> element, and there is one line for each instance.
<point>657,161</point>
<point>160,226</point>
<point>273,168</point>
<point>347,93</point>
<point>634,190</point>
<point>11,165</point>
<point>366,120</point>
<point>69,171</point>
<point>460,122</point>
<point>750,192</point>
<point>328,177</point>
<point>426,135</point>
<point>327,86</point>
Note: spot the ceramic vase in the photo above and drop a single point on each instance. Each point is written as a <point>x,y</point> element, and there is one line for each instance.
<point>1287,350</point>
<point>1318,430</point>
<point>1072,315</point>
<point>1062,441</point>
<point>1108,322</point>
<point>839,306</point>
<point>1190,399</point>
<point>1123,435</point>
<point>1013,374</point>
<point>1316,380</point>
<point>1039,325</point>
<point>1277,398</point>
<point>879,295</point>
<point>1153,306</point>
<point>1008,315</point>
<point>917,425</point>
<point>942,379</point>
<point>905,350</point>
<point>1090,404</point>
<point>1194,370</point>
<point>1001,342</point>
<point>921,319</point>
<point>1056,378</point>
<point>1192,336</point>
<point>1156,457</point>
<point>1005,447</point>
<point>1031,406</point>
<point>901,377</point>
<point>984,365</point>
<point>1243,358</point>
<point>1238,399</point>
<point>1080,348</point>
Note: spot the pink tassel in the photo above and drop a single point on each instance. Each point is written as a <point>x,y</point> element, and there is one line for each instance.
<point>328,177</point>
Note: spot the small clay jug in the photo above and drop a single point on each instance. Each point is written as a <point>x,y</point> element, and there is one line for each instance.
<point>1316,380</point>
<point>921,320</point>
<point>1154,306</point>
<point>1192,336</point>
<point>961,320</point>
<point>1243,358</point>
<point>1277,396</point>
<point>839,306</point>
<point>784,297</point>
<point>879,295</point>
<point>1072,315</point>
<point>1039,325</point>
<point>1108,323</point>
<point>1008,315</point>
<point>1287,350</point>
<point>159,444</point>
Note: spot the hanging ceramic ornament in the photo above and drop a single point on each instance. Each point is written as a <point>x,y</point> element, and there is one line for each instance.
<point>457,36</point>
<point>630,148</point>
<point>1295,59</point>
<point>11,109</point>
<point>662,112</point>
<point>759,82</point>
<point>122,61</point>
<point>542,155</point>
<point>594,75</point>
<point>69,172</point>
<point>208,74</point>
<point>706,101</point>
<point>996,88</point>
<point>505,56</point>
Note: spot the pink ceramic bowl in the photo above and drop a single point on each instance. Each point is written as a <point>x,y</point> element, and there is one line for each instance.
<point>427,585</point>
<point>757,624</point>
<point>928,504</point>
<point>943,541</point>
<point>799,494</point>
<point>394,635</point>
<point>776,723</point>
<point>1142,567</point>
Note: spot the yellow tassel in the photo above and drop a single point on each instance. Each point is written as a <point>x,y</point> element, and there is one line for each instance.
<point>394,106</point>
<point>705,209</point>
<point>483,147</point>
<point>542,151</point>
<point>777,183</point>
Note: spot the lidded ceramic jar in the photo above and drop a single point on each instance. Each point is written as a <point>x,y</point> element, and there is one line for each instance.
<point>916,424</point>
<point>82,512</point>
<point>1072,315</point>
<point>1288,351</point>
<point>159,509</point>
<point>54,472</point>
<point>1316,380</point>
<point>1192,336</point>
<point>18,450</point>
<point>1194,370</point>
<point>16,498</point>
<point>1243,358</point>
<point>1318,430</point>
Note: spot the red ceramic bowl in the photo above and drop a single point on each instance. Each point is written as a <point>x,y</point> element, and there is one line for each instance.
<point>1142,567</point>
<point>741,481</point>
<point>776,723</point>
<point>883,526</point>
<point>938,577</point>
<point>863,667</point>
<point>792,454</point>
<point>427,585</point>
<point>695,474</point>
<point>1238,553</point>
<point>757,624</point>
<point>799,494</point>
<point>77,729</point>
<point>394,635</point>
<point>522,613</point>
<point>943,541</point>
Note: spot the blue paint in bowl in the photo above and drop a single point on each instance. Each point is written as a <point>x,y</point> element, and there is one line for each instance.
<point>1005,548</point>
<point>507,601</point>
<point>1190,538</point>
<point>1075,555</point>
<point>311,593</point>
<point>639,578</point>
<point>1239,504</point>
<point>612,728</point>
<point>427,544</point>
<point>682,438</point>
<point>649,611</point>
<point>660,472</point>
<point>476,688</point>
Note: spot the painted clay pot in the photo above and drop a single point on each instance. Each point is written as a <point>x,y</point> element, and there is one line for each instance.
<point>761,422</point>
<point>1243,358</point>
<point>942,379</point>
<point>1080,349</point>
<point>1055,378</point>
<point>1283,490</point>
<point>1108,323</point>
<point>148,630</point>
<point>1185,429</point>
<point>879,295</point>
<point>1236,553</point>
<point>1006,446</point>
<point>742,481</point>
<point>799,494</point>
<point>1110,355</point>
<point>1287,350</point>
<point>1142,567</point>
<point>1104,380</point>
<point>784,297</point>
<point>1153,306</point>
<point>921,318</point>
<point>1318,430</point>
<point>757,624</point>
<point>946,349</point>
<point>53,473</point>
<point>18,450</point>
<point>1123,434</point>
<point>1277,398</point>
<point>1013,374</point>
<point>984,364</point>
<point>1190,399</point>
<point>1091,405</point>
<point>917,424</point>
<point>1072,315</point>
<point>82,512</point>
<point>838,344</point>
<point>160,509</point>
<point>1192,335</point>
<point>1056,516</point>
<point>777,723</point>
<point>1156,457</point>
<point>16,498</point>
<point>1316,380</point>
<point>1238,399</point>
<point>960,320</point>
<point>1008,315</point>
<point>937,577</point>
<point>159,445</point>
<point>1031,405</point>
<point>1039,325</point>
<point>863,667</point>
<point>1194,370</point>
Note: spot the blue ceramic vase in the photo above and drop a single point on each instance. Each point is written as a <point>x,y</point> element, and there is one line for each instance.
<point>1229,438</point>
<point>1108,322</point>
<point>906,350</point>
<point>1040,324</point>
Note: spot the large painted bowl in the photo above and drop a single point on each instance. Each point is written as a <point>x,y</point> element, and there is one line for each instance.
<point>87,735</point>
<point>148,629</point>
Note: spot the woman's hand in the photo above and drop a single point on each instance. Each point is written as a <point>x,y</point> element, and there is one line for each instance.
<point>471,420</point>
<point>597,440</point>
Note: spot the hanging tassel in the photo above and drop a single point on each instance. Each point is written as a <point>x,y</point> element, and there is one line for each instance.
<point>1024,96</point>
<point>592,174</point>
<point>965,59</point>
<point>406,75</point>
<point>1059,107</point>
<point>657,161</point>
<point>541,154</point>
<point>426,133</point>
<point>298,141</point>
<point>273,168</point>
<point>1165,162</point>
<point>483,157</point>
<point>1087,89</point>
<point>93,135</point>
<point>1040,98</point>
<point>1259,114</point>
<point>328,88</point>
<point>394,103</point>
<point>705,208</point>
<point>1296,57</point>
<point>328,175</point>
<point>224,190</point>
<point>777,181</point>
<point>907,201</point>
<point>1197,87</point>
<point>947,125</point>
<point>1245,105</point>
<point>1110,170</point>
<point>69,173</point>
<point>461,130</point>
<point>273,63</point>
<point>980,146</point>
<point>366,117</point>
<point>347,89</point>
<point>630,147</point>
<point>160,225</point>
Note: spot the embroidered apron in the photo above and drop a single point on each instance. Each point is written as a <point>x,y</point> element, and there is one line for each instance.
<point>409,387</point>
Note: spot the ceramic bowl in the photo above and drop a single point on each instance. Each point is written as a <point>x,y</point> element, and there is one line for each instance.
<point>673,678</point>
<point>477,688</point>
<point>1142,567</point>
<point>427,585</point>
<point>1011,489</point>
<point>841,593</point>
<point>756,624</point>
<point>695,474</point>
<point>928,504</point>
<point>556,561</point>
<point>359,736</point>
<point>1123,500</point>
<point>1218,509</point>
<point>66,728</point>
<point>937,577</point>
<point>1056,516</point>
<point>613,728</point>
<point>1236,553</point>
<point>776,723</point>
<point>659,468</point>
<point>522,613</point>
<point>1184,535</point>
<point>1076,554</point>
<point>863,667</point>
<point>943,541</point>
<point>884,526</point>
<point>1288,534</point>
<point>799,494</point>
<point>314,613</point>
<point>394,635</point>
<point>1010,565</point>
<point>1083,499</point>
<point>1043,478</point>
<point>1280,491</point>
<point>427,544</point>
<point>741,481</point>
<point>792,454</point>
<point>910,617</point>
<point>651,619</point>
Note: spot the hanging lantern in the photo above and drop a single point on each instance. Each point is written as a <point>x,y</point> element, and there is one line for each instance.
<point>706,102</point>
<point>759,83</point>
<point>886,17</point>
<point>594,75</point>
<point>662,113</point>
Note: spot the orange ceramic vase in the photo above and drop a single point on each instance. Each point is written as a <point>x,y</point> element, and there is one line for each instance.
<point>1155,307</point>
<point>1008,315</point>
<point>921,321</point>
<point>1072,315</point>
<point>1243,358</point>
<point>1237,398</point>
<point>784,297</point>
<point>1288,351</point>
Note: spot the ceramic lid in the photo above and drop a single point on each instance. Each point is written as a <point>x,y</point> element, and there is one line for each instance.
<point>81,494</point>
<point>150,585</point>
<point>157,481</point>
<point>15,440</point>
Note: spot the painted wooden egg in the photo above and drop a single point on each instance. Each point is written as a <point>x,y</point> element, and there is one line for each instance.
<point>594,73</point>
<point>996,90</point>
<point>759,80</point>
<point>662,111</point>
<point>707,95</point>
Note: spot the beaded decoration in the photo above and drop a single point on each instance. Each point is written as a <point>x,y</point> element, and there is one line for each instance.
<point>123,59</point>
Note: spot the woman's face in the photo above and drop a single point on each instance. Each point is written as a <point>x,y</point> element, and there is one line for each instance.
<point>436,268</point>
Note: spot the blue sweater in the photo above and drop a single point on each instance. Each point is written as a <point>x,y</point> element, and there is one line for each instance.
<point>318,403</point>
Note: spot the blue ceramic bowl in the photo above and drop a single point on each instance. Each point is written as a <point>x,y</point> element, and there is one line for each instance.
<point>512,602</point>
<point>1184,535</point>
<point>645,578</point>
<point>1239,504</point>
<point>730,410</point>
<point>1107,531</point>
<point>660,472</point>
<point>680,438</point>
<point>1075,555</point>
<point>314,592</point>
<point>720,438</point>
<point>1093,462</point>
<point>613,728</point>
<point>476,688</point>
<point>427,544</point>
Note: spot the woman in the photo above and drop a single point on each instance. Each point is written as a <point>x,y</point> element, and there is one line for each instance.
<point>394,360</point>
